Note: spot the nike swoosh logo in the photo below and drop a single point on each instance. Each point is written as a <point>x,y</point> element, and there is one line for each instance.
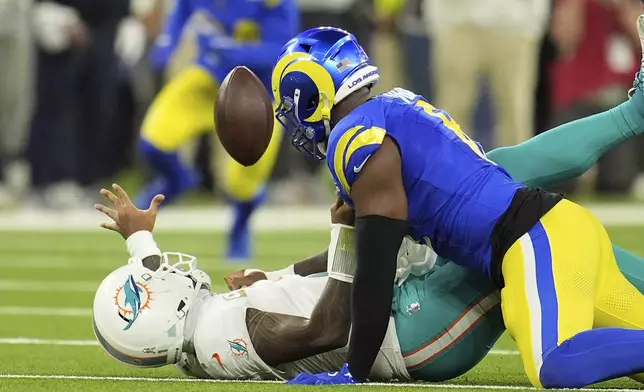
<point>218,358</point>
<point>356,169</point>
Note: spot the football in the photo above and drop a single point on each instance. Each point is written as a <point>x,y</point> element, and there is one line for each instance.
<point>244,116</point>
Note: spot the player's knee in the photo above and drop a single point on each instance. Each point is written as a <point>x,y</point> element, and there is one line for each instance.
<point>168,165</point>
<point>560,370</point>
<point>149,150</point>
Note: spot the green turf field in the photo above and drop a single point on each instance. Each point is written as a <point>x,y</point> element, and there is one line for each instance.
<point>48,282</point>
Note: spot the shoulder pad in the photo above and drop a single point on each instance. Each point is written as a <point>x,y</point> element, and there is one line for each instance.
<point>349,151</point>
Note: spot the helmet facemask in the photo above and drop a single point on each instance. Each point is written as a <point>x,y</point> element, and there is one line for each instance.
<point>309,138</point>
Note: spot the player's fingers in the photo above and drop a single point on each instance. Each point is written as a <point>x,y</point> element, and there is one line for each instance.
<point>230,283</point>
<point>111,198</point>
<point>110,226</point>
<point>107,211</point>
<point>125,199</point>
<point>156,203</point>
<point>334,208</point>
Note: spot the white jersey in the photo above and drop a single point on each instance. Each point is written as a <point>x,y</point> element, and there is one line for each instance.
<point>224,349</point>
<point>414,259</point>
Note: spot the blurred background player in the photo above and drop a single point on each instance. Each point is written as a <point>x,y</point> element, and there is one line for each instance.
<point>228,33</point>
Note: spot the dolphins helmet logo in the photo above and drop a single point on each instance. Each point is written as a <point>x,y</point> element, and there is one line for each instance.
<point>131,299</point>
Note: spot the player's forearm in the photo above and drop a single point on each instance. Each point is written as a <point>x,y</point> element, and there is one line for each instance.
<point>378,240</point>
<point>312,265</point>
<point>141,245</point>
<point>280,338</point>
<point>173,27</point>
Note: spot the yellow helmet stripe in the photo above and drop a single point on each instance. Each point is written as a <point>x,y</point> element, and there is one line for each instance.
<point>281,65</point>
<point>323,82</point>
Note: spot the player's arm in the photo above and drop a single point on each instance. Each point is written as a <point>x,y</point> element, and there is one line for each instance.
<point>175,22</point>
<point>278,24</point>
<point>309,266</point>
<point>280,338</point>
<point>380,204</point>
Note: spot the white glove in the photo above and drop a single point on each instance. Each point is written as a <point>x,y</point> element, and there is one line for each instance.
<point>51,24</point>
<point>131,41</point>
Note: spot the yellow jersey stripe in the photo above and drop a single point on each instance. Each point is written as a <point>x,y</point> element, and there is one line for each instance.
<point>373,135</point>
<point>339,154</point>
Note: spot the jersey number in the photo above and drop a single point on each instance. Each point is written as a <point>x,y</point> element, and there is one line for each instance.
<point>453,126</point>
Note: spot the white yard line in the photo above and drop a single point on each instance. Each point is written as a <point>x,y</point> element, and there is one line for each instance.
<point>217,218</point>
<point>194,380</point>
<point>74,342</point>
<point>42,311</point>
<point>47,342</point>
<point>82,286</point>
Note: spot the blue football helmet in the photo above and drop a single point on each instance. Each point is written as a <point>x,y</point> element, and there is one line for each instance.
<point>316,70</point>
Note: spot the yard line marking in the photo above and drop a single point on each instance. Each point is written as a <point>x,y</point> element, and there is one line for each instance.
<point>82,286</point>
<point>75,342</point>
<point>55,264</point>
<point>48,342</point>
<point>37,311</point>
<point>217,218</point>
<point>195,380</point>
<point>504,352</point>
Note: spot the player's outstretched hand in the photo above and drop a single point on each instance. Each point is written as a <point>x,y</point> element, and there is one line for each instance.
<point>126,218</point>
<point>238,280</point>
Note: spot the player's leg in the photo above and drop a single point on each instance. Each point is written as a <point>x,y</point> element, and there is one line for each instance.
<point>457,65</point>
<point>551,281</point>
<point>246,188</point>
<point>631,266</point>
<point>446,321</point>
<point>571,149</point>
<point>182,110</point>
<point>512,67</point>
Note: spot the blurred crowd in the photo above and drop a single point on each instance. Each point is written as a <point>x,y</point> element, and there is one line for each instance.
<point>75,82</point>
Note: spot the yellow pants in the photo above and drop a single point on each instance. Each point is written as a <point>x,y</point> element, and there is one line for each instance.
<point>561,279</point>
<point>184,110</point>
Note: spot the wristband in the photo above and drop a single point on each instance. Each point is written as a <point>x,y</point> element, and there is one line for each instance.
<point>342,260</point>
<point>141,245</point>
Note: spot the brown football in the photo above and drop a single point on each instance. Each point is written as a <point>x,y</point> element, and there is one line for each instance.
<point>244,116</point>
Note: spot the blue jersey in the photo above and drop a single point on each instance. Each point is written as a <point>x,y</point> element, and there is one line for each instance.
<point>259,29</point>
<point>455,195</point>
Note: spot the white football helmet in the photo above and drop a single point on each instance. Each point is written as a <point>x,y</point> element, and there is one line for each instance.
<point>139,314</point>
